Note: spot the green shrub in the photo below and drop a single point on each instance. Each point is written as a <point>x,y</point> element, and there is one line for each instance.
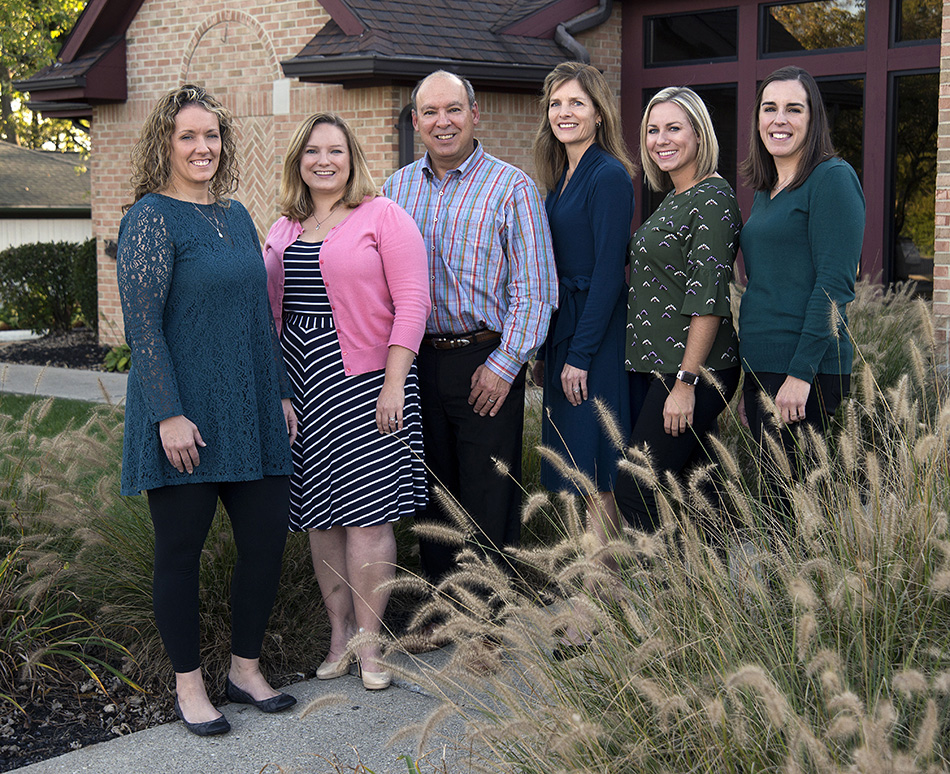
<point>84,282</point>
<point>118,358</point>
<point>46,283</point>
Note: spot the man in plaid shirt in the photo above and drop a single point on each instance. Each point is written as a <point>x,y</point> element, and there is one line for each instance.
<point>493,286</point>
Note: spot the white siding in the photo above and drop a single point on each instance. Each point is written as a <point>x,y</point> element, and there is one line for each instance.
<point>27,230</point>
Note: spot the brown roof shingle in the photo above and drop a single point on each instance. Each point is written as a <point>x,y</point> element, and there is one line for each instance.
<point>41,180</point>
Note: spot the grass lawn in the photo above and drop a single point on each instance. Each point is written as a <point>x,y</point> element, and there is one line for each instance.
<point>61,411</point>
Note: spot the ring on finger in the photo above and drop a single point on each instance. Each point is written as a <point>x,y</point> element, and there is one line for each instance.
<point>492,400</point>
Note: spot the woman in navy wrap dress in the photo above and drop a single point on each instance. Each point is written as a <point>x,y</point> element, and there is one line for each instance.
<point>584,163</point>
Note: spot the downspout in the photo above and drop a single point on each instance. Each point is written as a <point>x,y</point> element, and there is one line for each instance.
<point>565,32</point>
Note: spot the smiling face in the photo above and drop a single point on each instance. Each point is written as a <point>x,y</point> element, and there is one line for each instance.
<point>672,143</point>
<point>325,162</point>
<point>783,120</point>
<point>446,122</point>
<point>195,150</point>
<point>572,116</point>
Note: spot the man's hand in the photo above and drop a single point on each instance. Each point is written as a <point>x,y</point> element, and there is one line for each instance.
<point>489,391</point>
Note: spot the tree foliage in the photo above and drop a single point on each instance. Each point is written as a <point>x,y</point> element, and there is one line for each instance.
<point>31,33</point>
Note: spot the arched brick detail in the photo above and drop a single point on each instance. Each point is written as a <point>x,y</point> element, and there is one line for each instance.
<point>223,17</point>
<point>232,56</point>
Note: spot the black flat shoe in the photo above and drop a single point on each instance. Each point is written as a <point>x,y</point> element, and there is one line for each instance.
<point>277,703</point>
<point>208,728</point>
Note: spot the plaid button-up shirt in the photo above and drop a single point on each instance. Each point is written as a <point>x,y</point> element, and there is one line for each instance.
<point>491,264</point>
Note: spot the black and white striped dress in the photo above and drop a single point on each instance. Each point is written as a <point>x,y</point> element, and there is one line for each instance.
<point>345,472</point>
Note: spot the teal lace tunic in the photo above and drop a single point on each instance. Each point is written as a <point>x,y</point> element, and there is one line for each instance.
<point>203,343</point>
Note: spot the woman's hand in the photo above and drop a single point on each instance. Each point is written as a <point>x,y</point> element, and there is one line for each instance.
<point>791,399</point>
<point>574,384</point>
<point>743,417</point>
<point>180,440</point>
<point>389,407</point>
<point>678,408</point>
<point>290,419</point>
<point>537,373</point>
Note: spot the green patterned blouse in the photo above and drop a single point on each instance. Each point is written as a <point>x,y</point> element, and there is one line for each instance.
<point>680,265</point>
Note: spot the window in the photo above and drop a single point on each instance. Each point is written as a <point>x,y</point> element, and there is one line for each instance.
<point>691,37</point>
<point>844,102</point>
<point>918,20</point>
<point>914,173</point>
<point>813,26</point>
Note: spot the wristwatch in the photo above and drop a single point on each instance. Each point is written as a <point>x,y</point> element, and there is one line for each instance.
<point>688,377</point>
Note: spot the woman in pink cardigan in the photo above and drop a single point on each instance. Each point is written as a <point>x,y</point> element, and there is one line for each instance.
<point>348,285</point>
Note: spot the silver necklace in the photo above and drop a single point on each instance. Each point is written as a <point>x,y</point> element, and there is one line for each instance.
<point>319,223</point>
<point>213,223</point>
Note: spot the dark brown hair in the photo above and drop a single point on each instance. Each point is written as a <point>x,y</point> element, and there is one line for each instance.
<point>758,169</point>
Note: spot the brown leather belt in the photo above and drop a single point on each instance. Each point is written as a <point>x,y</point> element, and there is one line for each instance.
<point>458,340</point>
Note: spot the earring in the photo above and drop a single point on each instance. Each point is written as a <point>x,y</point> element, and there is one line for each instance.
<point>597,124</point>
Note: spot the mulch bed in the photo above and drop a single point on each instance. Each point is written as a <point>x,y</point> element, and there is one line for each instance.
<point>77,348</point>
<point>67,719</point>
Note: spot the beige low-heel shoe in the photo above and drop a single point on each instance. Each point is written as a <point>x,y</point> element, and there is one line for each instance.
<point>330,670</point>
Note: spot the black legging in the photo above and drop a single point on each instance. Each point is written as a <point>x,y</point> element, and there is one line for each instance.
<point>826,394</point>
<point>636,502</point>
<point>182,516</point>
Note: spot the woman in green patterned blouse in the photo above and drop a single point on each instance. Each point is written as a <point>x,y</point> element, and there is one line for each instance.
<point>679,323</point>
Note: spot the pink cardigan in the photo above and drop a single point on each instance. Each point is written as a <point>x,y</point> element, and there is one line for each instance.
<point>374,266</point>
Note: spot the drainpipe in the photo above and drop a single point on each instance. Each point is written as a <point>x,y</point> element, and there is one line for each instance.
<point>565,32</point>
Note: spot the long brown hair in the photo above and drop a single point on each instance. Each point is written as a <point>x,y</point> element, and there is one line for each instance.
<point>550,157</point>
<point>758,169</point>
<point>151,155</point>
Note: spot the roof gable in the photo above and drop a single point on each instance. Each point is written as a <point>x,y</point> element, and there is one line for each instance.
<point>509,42</point>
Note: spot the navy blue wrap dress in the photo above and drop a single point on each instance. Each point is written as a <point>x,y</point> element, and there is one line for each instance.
<point>590,225</point>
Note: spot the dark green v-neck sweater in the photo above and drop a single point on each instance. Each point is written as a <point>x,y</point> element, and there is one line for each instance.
<point>801,252</point>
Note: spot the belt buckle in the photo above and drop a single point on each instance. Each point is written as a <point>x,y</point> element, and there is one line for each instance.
<point>458,343</point>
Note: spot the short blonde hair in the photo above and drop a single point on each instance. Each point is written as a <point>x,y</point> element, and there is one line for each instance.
<point>151,155</point>
<point>707,152</point>
<point>295,202</point>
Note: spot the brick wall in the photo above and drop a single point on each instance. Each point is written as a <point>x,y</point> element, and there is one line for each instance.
<point>235,49</point>
<point>941,298</point>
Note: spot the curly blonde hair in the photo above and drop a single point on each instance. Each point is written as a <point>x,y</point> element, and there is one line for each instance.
<point>151,155</point>
<point>294,200</point>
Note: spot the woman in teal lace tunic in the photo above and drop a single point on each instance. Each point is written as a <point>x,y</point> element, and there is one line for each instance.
<point>208,411</point>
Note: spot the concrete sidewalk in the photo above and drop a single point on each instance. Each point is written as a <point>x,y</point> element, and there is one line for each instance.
<point>355,728</point>
<point>94,386</point>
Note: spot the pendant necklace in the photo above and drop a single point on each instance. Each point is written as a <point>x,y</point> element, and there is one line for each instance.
<point>213,223</point>
<point>319,223</point>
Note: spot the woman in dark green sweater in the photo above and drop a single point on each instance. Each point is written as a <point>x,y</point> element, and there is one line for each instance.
<point>801,245</point>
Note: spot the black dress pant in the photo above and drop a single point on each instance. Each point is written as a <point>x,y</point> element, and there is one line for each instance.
<point>461,448</point>
<point>826,394</point>
<point>636,501</point>
<point>182,515</point>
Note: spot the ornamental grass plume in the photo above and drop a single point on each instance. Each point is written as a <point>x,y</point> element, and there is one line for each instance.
<point>829,652</point>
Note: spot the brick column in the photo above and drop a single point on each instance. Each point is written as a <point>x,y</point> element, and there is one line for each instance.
<point>941,298</point>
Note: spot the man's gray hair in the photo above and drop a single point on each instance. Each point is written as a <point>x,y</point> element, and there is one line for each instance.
<point>469,89</point>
